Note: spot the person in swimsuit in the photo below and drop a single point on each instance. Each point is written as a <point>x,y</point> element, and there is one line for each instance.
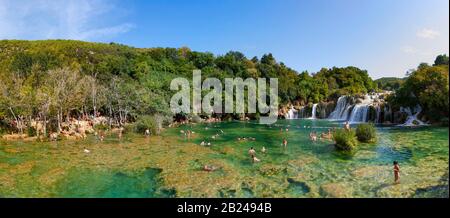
<point>285,142</point>
<point>347,126</point>
<point>396,172</point>
<point>252,154</point>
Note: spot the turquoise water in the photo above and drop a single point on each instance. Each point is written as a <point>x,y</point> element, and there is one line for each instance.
<point>171,165</point>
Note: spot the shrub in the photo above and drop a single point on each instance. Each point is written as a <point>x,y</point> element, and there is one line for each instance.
<point>103,127</point>
<point>345,139</point>
<point>145,122</point>
<point>366,132</point>
<point>31,131</point>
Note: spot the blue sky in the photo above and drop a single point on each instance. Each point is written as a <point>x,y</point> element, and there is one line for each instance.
<point>386,37</point>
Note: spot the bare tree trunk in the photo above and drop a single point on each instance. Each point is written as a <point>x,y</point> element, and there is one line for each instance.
<point>44,126</point>
<point>29,123</point>
<point>110,116</point>
<point>15,118</point>
<point>94,95</point>
<point>20,125</point>
<point>58,117</point>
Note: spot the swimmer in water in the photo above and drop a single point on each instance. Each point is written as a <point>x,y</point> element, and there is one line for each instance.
<point>209,168</point>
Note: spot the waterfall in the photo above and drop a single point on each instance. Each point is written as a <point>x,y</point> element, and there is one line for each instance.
<point>412,117</point>
<point>314,108</point>
<point>292,114</point>
<point>359,113</point>
<point>378,109</point>
<point>341,110</point>
<point>301,113</point>
<point>387,113</point>
<point>360,110</point>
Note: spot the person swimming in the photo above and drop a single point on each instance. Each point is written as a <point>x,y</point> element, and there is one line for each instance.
<point>263,150</point>
<point>209,168</point>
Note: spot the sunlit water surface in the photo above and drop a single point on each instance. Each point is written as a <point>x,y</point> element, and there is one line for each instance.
<point>171,165</point>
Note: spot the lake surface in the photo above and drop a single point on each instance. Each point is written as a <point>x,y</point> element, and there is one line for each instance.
<point>170,165</point>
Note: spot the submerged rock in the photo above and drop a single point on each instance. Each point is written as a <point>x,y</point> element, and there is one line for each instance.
<point>271,170</point>
<point>336,190</point>
<point>370,171</point>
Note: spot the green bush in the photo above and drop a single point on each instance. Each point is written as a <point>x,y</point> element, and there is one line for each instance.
<point>103,127</point>
<point>365,132</point>
<point>146,122</point>
<point>31,131</point>
<point>345,139</point>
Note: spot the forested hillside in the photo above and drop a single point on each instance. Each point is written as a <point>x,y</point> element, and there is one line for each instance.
<point>68,77</point>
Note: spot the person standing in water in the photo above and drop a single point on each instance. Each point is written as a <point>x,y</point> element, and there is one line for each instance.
<point>347,126</point>
<point>252,154</point>
<point>396,172</point>
<point>285,142</point>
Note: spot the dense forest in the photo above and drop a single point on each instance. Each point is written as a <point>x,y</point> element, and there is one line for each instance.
<point>55,80</point>
<point>427,86</point>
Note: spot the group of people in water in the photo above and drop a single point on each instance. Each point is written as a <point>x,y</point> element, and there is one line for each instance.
<point>314,136</point>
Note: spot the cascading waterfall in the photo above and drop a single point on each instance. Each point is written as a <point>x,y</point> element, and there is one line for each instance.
<point>360,110</point>
<point>378,110</point>
<point>314,108</point>
<point>412,119</point>
<point>341,110</point>
<point>292,114</point>
<point>359,113</point>
<point>301,113</point>
<point>387,113</point>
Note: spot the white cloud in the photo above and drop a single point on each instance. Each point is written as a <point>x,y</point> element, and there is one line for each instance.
<point>65,19</point>
<point>427,33</point>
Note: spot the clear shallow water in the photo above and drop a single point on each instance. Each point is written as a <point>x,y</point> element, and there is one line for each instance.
<point>170,165</point>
